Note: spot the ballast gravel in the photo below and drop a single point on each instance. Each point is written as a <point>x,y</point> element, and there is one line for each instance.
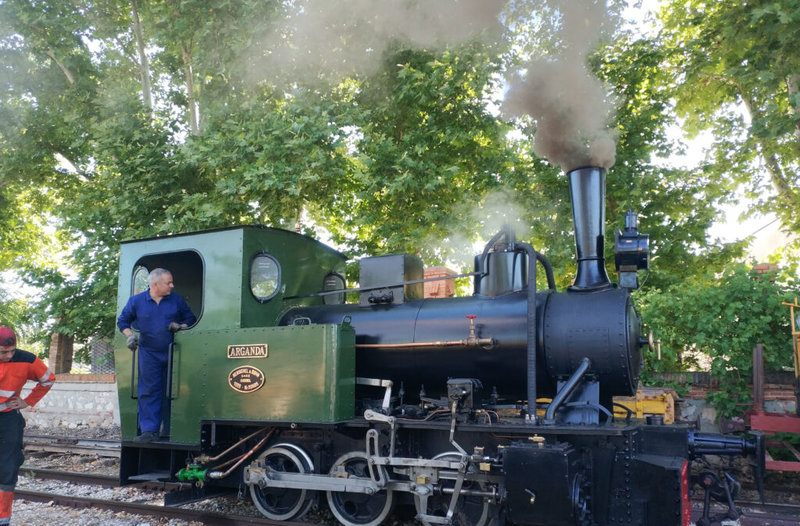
<point>27,513</point>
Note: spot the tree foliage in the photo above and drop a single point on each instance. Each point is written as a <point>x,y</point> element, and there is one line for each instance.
<point>736,72</point>
<point>426,145</point>
<point>677,206</point>
<point>123,120</point>
<point>722,316</point>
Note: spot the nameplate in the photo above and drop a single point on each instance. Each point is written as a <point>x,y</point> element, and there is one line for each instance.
<point>253,350</point>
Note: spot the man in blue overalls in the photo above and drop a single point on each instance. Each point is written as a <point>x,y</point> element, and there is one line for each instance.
<point>158,314</point>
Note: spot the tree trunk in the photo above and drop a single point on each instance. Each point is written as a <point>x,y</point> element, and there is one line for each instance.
<point>298,222</point>
<point>793,89</point>
<point>194,122</point>
<point>785,193</point>
<point>144,63</point>
<point>67,73</point>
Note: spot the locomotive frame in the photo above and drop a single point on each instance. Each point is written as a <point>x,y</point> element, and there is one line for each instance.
<point>284,388</point>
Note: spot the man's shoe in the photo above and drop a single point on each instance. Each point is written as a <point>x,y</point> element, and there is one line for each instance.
<point>147,436</point>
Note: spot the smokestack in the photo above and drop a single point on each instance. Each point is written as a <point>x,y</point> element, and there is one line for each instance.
<point>587,189</point>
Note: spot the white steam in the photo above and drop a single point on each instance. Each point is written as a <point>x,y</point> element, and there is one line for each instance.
<point>339,37</point>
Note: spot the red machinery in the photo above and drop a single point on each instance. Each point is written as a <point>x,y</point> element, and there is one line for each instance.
<point>771,423</point>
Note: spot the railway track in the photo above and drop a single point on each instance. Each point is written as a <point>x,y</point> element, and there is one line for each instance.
<point>753,513</point>
<point>137,508</point>
<point>80,446</point>
<point>206,517</point>
<point>757,514</point>
<point>105,481</point>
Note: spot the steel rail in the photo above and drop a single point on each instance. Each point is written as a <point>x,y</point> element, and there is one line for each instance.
<point>755,513</point>
<point>106,481</point>
<point>99,447</point>
<point>771,508</point>
<point>206,517</point>
<point>749,518</point>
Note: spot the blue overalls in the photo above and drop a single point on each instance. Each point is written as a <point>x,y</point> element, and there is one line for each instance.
<point>152,320</point>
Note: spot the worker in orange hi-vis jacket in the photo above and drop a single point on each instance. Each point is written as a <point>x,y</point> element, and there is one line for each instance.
<point>16,368</point>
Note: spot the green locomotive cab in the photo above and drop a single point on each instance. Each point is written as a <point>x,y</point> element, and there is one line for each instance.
<point>234,364</point>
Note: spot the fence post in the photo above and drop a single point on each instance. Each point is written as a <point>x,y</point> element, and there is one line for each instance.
<point>758,378</point>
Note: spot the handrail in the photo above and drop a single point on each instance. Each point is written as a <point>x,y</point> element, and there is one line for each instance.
<point>133,374</point>
<point>170,358</point>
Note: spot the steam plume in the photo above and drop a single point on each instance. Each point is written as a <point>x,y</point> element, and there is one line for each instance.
<point>341,37</point>
<point>570,106</point>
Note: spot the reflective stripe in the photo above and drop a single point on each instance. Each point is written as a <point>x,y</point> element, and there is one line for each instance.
<point>7,394</point>
<point>3,406</point>
<point>44,377</point>
<point>47,384</point>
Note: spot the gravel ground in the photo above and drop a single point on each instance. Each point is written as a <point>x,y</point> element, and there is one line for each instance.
<point>82,432</point>
<point>46,514</point>
<point>27,513</point>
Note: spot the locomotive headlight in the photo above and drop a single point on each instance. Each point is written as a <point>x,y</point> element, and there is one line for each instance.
<point>631,252</point>
<point>334,281</point>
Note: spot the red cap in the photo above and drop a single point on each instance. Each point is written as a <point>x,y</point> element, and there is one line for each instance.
<point>7,339</point>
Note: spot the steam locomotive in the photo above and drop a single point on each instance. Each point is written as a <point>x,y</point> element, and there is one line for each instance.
<point>471,411</point>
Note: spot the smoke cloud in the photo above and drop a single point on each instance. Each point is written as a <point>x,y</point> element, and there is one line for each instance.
<point>570,107</point>
<point>339,37</point>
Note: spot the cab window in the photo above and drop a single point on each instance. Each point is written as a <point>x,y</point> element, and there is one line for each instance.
<point>140,283</point>
<point>187,270</point>
<point>265,277</point>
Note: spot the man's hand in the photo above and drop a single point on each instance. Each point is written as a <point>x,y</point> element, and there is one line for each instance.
<point>133,341</point>
<point>15,402</point>
<point>175,326</point>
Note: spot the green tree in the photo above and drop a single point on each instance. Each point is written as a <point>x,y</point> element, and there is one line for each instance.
<point>267,161</point>
<point>677,206</point>
<point>206,52</point>
<point>12,310</point>
<point>426,145</point>
<point>47,83</point>
<point>721,316</point>
<point>83,154</point>
<point>736,72</point>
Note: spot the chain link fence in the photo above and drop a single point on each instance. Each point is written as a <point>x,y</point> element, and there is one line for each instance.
<point>102,357</point>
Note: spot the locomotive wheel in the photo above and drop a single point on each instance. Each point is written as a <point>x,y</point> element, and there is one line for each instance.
<point>470,510</point>
<point>283,504</point>
<point>358,509</point>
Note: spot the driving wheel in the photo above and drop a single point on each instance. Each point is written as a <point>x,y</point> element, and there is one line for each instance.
<point>358,509</point>
<point>470,510</point>
<point>283,504</point>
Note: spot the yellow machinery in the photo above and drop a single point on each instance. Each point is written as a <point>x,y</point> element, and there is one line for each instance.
<point>648,401</point>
